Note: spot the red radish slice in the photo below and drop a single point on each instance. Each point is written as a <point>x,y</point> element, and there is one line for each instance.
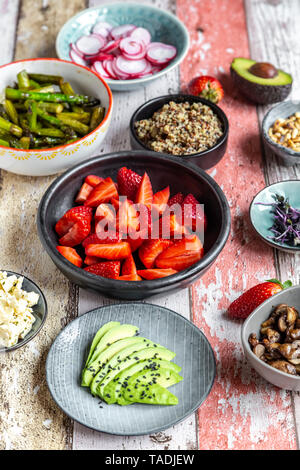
<point>141,34</point>
<point>130,67</point>
<point>98,67</point>
<point>77,58</point>
<point>73,46</point>
<point>118,73</point>
<point>135,57</point>
<point>90,45</point>
<point>160,53</point>
<point>99,57</point>
<point>102,28</point>
<point>111,46</point>
<point>109,68</point>
<point>131,47</point>
<point>122,31</point>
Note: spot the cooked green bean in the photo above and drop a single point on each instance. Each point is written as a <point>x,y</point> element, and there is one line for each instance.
<point>49,132</point>
<point>32,115</point>
<point>66,88</point>
<point>11,111</point>
<point>97,117</point>
<point>13,94</point>
<point>43,78</point>
<point>82,117</point>
<point>51,107</point>
<point>23,80</point>
<point>47,140</point>
<point>76,125</point>
<point>12,128</point>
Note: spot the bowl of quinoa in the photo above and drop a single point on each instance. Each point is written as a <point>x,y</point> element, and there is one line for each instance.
<point>184,126</point>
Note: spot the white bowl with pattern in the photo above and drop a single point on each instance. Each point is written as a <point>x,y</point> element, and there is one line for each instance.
<point>42,162</point>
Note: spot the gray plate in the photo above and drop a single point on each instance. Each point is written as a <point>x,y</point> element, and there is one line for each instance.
<point>69,351</point>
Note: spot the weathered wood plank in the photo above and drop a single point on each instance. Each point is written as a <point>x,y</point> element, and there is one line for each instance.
<point>29,417</point>
<point>243,411</point>
<point>8,24</point>
<point>273,29</point>
<point>182,436</point>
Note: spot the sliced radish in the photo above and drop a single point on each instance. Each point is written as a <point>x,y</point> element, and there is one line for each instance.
<point>135,57</point>
<point>73,46</point>
<point>90,45</point>
<point>121,75</point>
<point>159,53</point>
<point>111,45</point>
<point>122,31</point>
<point>99,57</point>
<point>131,47</point>
<point>102,28</point>
<point>130,67</point>
<point>142,34</point>
<point>98,68</point>
<point>108,65</point>
<point>78,59</point>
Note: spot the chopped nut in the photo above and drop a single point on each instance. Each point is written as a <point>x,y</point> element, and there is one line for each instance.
<point>286,132</point>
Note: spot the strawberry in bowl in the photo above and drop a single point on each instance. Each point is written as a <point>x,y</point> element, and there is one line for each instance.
<point>133,233</point>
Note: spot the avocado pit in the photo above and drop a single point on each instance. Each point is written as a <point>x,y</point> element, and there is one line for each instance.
<point>263,70</point>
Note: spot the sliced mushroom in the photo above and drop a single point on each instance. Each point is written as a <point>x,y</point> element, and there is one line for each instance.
<point>291,315</point>
<point>284,366</point>
<point>292,334</point>
<point>272,351</point>
<point>273,335</point>
<point>282,325</point>
<point>253,341</point>
<point>259,350</point>
<point>291,351</point>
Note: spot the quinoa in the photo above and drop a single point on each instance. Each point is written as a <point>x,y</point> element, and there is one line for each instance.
<point>180,129</point>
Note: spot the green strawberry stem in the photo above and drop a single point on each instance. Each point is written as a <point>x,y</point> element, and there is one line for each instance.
<point>284,285</point>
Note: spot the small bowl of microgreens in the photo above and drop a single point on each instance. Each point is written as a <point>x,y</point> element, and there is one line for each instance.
<point>275,215</point>
<point>53,114</point>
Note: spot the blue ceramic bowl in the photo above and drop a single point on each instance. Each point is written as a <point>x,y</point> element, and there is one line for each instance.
<point>261,216</point>
<point>163,26</point>
<point>287,156</point>
<point>39,311</point>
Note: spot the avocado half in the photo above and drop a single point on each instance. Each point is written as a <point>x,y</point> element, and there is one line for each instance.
<point>256,88</point>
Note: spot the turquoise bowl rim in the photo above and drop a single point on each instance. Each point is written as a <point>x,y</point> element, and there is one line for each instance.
<point>273,244</point>
<point>174,63</point>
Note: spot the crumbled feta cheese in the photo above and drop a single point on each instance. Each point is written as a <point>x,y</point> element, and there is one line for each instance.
<point>16,317</point>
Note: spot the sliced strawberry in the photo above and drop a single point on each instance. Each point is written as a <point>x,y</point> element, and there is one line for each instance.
<point>106,214</point>
<point>113,251</point>
<point>110,269</point>
<point>128,182</point>
<point>181,255</point>
<point>144,194</point>
<point>135,243</point>
<point>84,193</point>
<point>90,260</point>
<point>127,218</point>
<point>169,227</point>
<point>76,234</point>
<point>103,237</point>
<point>70,254</point>
<point>116,203</point>
<point>176,199</point>
<point>93,180</point>
<point>150,250</point>
<point>129,277</point>
<point>160,201</point>
<point>156,273</point>
<point>76,214</point>
<point>129,266</point>
<point>145,221</point>
<point>194,217</point>
<point>103,192</point>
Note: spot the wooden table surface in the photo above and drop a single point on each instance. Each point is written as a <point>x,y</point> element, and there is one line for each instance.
<point>242,411</point>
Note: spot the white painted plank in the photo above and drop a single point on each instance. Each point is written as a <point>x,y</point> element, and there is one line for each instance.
<point>184,435</point>
<point>274,36</point>
<point>8,24</point>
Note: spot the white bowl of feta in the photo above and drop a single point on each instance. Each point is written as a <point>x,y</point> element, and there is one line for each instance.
<point>23,310</point>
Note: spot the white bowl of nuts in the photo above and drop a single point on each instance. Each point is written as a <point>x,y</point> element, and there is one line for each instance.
<point>281,131</point>
<point>271,339</point>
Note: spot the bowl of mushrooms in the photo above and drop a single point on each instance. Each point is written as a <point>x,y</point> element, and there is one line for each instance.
<point>271,339</point>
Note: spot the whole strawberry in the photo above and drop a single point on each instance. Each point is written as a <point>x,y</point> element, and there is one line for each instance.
<point>206,87</point>
<point>252,298</point>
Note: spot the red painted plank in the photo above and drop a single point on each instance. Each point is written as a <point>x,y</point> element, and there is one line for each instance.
<point>242,411</point>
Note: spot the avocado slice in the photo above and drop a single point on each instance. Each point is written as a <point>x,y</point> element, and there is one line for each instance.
<point>107,386</point>
<point>113,335</point>
<point>144,374</point>
<point>101,332</point>
<point>93,368</point>
<point>154,395</point>
<point>259,81</point>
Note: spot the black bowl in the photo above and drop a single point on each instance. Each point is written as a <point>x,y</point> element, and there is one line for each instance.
<point>181,176</point>
<point>207,158</point>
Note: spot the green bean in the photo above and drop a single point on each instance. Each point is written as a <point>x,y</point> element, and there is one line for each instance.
<point>97,117</point>
<point>48,132</point>
<point>66,88</point>
<point>32,115</point>
<point>48,141</point>
<point>23,80</point>
<point>43,78</point>
<point>76,125</point>
<point>25,142</point>
<point>82,117</point>
<point>51,107</point>
<point>13,94</point>
<point>4,143</point>
<point>12,128</point>
<point>11,111</point>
